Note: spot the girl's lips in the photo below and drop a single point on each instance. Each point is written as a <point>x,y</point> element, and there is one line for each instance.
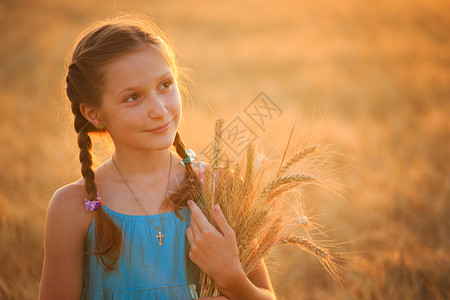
<point>160,129</point>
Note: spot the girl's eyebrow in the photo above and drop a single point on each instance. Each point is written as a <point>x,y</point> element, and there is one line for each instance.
<point>168,73</point>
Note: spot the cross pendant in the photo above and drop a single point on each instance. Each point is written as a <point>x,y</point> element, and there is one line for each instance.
<point>160,236</point>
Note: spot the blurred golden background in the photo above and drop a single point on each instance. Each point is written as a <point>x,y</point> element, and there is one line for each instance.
<point>372,79</point>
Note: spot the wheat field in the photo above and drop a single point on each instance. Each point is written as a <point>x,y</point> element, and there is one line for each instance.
<point>369,79</point>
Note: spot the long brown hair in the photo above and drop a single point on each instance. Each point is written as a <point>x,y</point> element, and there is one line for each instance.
<point>94,49</point>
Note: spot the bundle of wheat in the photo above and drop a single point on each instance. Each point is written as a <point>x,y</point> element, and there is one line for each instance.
<point>255,210</point>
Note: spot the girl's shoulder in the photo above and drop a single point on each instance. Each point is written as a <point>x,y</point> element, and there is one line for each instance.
<point>66,226</point>
<point>67,207</point>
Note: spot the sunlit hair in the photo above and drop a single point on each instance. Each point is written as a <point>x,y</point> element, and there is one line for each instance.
<point>94,49</point>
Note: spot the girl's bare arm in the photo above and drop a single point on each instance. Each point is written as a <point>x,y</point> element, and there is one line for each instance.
<point>260,278</point>
<point>65,228</point>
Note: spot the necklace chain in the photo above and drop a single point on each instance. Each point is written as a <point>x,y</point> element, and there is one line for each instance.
<point>159,236</point>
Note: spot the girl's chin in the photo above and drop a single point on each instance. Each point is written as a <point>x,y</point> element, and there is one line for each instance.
<point>163,142</point>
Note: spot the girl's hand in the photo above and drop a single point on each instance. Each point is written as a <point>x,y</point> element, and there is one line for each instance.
<point>215,253</point>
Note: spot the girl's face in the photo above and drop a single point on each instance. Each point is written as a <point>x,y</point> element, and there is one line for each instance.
<point>140,95</point>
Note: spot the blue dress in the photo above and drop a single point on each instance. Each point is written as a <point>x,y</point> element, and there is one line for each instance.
<point>146,270</point>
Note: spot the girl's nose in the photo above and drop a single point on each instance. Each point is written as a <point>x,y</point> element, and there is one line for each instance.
<point>156,107</point>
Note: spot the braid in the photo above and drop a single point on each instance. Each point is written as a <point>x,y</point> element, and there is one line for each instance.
<point>84,141</point>
<point>179,146</point>
<point>107,250</point>
<point>181,150</point>
<point>82,127</point>
<point>193,188</point>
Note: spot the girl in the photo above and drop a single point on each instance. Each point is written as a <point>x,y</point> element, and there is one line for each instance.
<point>129,229</point>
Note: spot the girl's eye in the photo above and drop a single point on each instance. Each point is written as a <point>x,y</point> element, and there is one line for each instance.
<point>166,84</point>
<point>132,98</point>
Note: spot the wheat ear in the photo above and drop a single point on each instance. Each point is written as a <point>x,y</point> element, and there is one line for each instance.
<point>296,157</point>
<point>325,258</point>
<point>218,141</point>
<point>283,180</point>
<point>249,167</point>
<point>305,243</point>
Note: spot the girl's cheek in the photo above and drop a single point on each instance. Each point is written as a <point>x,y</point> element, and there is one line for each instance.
<point>174,105</point>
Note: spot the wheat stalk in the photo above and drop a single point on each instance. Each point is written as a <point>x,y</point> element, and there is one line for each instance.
<point>260,223</point>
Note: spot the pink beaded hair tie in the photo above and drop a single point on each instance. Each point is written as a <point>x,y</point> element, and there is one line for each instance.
<point>92,205</point>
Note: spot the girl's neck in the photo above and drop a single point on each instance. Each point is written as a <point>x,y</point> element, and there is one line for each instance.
<point>149,166</point>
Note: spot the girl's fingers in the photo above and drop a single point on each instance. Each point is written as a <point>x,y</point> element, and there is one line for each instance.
<point>195,229</point>
<point>190,235</point>
<point>221,221</point>
<point>198,217</point>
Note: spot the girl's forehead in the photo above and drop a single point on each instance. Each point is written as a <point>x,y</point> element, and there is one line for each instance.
<point>137,61</point>
<point>134,68</point>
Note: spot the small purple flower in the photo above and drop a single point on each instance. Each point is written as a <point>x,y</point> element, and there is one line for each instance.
<point>92,205</point>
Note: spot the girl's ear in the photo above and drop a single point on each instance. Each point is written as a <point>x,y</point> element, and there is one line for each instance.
<point>91,114</point>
